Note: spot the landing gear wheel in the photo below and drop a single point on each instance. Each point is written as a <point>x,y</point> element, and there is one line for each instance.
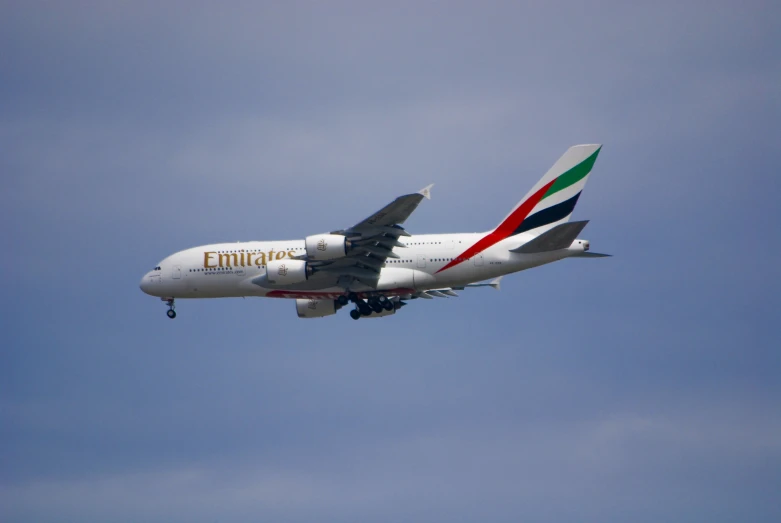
<point>382,299</point>
<point>355,314</point>
<point>366,310</point>
<point>376,307</point>
<point>342,300</point>
<point>170,302</point>
<point>388,305</point>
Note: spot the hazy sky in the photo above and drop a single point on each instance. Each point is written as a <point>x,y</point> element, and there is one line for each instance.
<point>644,387</point>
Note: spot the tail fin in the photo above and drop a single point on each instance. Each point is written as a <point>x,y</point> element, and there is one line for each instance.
<point>552,200</point>
<point>548,204</point>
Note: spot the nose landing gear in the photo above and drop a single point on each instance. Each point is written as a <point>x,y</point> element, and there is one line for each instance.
<point>171,313</point>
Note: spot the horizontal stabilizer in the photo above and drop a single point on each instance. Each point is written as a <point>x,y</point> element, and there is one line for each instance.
<point>590,255</point>
<point>560,237</point>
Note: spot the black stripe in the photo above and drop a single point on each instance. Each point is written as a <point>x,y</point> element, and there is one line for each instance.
<point>549,215</point>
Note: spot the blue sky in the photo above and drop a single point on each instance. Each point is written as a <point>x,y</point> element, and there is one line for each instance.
<point>644,387</point>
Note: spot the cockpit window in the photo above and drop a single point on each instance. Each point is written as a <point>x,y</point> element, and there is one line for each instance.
<point>156,269</point>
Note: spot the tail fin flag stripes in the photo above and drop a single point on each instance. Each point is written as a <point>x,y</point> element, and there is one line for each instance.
<point>549,203</point>
<point>563,184</point>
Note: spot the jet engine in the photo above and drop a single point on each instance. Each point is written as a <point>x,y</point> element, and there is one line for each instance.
<point>315,308</point>
<point>287,271</point>
<point>324,247</point>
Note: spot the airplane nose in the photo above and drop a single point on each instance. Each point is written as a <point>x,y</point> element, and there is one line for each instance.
<point>150,283</point>
<point>144,285</point>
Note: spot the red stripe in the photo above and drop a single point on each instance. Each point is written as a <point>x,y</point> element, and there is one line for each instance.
<point>283,293</point>
<point>504,230</point>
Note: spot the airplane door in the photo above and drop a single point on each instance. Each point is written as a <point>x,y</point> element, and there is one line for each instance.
<point>479,260</point>
<point>421,261</point>
<point>177,272</point>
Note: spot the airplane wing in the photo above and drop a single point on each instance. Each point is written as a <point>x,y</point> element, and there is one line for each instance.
<point>372,241</point>
<point>397,302</point>
<point>392,215</point>
<point>450,291</point>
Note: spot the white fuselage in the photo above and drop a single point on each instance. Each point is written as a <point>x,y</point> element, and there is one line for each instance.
<point>238,269</point>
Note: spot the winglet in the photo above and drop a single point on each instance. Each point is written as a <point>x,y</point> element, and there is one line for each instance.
<point>495,283</point>
<point>426,191</point>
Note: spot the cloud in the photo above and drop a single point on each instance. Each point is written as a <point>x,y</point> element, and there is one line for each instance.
<point>445,473</point>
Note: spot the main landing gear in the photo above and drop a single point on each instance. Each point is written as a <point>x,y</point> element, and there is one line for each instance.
<point>171,313</point>
<point>374,304</point>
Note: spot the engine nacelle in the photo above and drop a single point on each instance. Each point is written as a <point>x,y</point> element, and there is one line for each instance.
<point>315,308</point>
<point>326,246</point>
<point>287,271</point>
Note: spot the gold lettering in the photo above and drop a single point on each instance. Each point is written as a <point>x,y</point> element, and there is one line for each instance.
<point>261,259</point>
<point>291,254</point>
<point>280,255</point>
<point>271,254</point>
<point>206,258</point>
<point>225,260</point>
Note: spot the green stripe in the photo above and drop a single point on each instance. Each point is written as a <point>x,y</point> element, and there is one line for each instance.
<point>574,175</point>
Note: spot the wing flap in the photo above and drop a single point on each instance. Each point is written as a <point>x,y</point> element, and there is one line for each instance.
<point>494,284</point>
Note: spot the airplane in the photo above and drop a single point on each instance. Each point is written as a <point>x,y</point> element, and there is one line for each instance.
<point>377,265</point>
